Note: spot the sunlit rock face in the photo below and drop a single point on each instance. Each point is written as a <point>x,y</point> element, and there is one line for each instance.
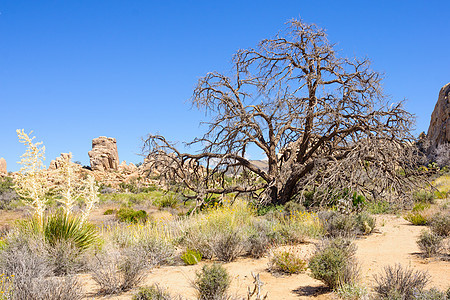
<point>104,155</point>
<point>439,130</point>
<point>3,170</point>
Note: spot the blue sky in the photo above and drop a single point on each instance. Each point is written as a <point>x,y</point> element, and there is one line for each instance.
<point>75,70</point>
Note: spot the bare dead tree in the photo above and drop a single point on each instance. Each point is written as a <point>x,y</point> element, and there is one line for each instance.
<point>322,122</point>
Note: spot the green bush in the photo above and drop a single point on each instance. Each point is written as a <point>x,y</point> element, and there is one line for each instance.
<point>191,257</point>
<point>429,243</point>
<point>130,215</point>
<point>110,212</point>
<point>212,283</point>
<point>153,292</point>
<point>440,224</point>
<point>416,218</point>
<point>169,200</point>
<point>423,196</point>
<point>365,223</point>
<point>379,207</point>
<point>399,283</point>
<point>334,263</point>
<point>287,262</point>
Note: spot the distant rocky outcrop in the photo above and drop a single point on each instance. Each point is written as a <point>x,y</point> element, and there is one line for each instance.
<point>104,155</point>
<point>59,161</point>
<point>439,130</point>
<point>3,170</point>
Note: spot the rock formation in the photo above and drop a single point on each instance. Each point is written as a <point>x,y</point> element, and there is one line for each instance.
<point>439,130</point>
<point>104,155</point>
<point>58,162</point>
<point>3,170</point>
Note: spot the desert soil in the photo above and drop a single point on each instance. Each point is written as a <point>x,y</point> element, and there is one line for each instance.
<point>393,242</point>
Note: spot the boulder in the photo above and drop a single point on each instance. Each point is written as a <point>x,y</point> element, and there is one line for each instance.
<point>439,130</point>
<point>3,170</point>
<point>59,161</point>
<point>104,155</point>
<point>127,169</point>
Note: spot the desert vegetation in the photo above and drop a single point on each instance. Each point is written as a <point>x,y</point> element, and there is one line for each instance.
<point>341,163</point>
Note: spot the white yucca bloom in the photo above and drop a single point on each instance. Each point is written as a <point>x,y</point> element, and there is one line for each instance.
<point>91,196</point>
<point>31,181</point>
<point>69,186</point>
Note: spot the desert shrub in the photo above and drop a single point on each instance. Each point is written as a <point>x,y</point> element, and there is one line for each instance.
<point>337,224</point>
<point>379,207</point>
<point>292,207</point>
<point>6,287</point>
<point>440,224</point>
<point>365,223</point>
<point>265,209</point>
<point>352,291</point>
<point>287,262</point>
<point>423,196</point>
<point>26,262</point>
<point>106,190</point>
<point>117,271</point>
<point>416,218</point>
<point>110,211</point>
<point>420,206</point>
<point>429,243</point>
<point>65,258</point>
<point>397,282</point>
<point>228,244</point>
<point>7,193</point>
<point>130,215</point>
<point>259,238</point>
<point>52,288</point>
<point>191,257</point>
<point>153,241</point>
<point>153,292</point>
<point>212,282</point>
<point>295,227</point>
<point>334,263</point>
<point>431,294</point>
<point>219,231</point>
<point>169,200</point>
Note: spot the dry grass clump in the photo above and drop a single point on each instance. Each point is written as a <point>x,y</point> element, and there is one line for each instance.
<point>397,282</point>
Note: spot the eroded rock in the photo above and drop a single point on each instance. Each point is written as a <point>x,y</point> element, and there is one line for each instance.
<point>439,130</point>
<point>104,155</point>
<point>3,170</point>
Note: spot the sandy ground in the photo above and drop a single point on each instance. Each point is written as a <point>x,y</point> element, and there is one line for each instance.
<point>393,242</point>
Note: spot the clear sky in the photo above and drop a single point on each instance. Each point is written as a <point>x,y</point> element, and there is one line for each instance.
<point>75,70</point>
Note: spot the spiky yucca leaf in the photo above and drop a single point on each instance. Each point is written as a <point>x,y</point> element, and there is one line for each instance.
<point>60,227</point>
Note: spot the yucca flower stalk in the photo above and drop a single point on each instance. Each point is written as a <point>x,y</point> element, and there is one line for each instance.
<point>31,180</point>
<point>69,185</point>
<point>91,197</point>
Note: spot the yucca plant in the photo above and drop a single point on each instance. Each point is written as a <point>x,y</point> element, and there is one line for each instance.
<point>61,227</point>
